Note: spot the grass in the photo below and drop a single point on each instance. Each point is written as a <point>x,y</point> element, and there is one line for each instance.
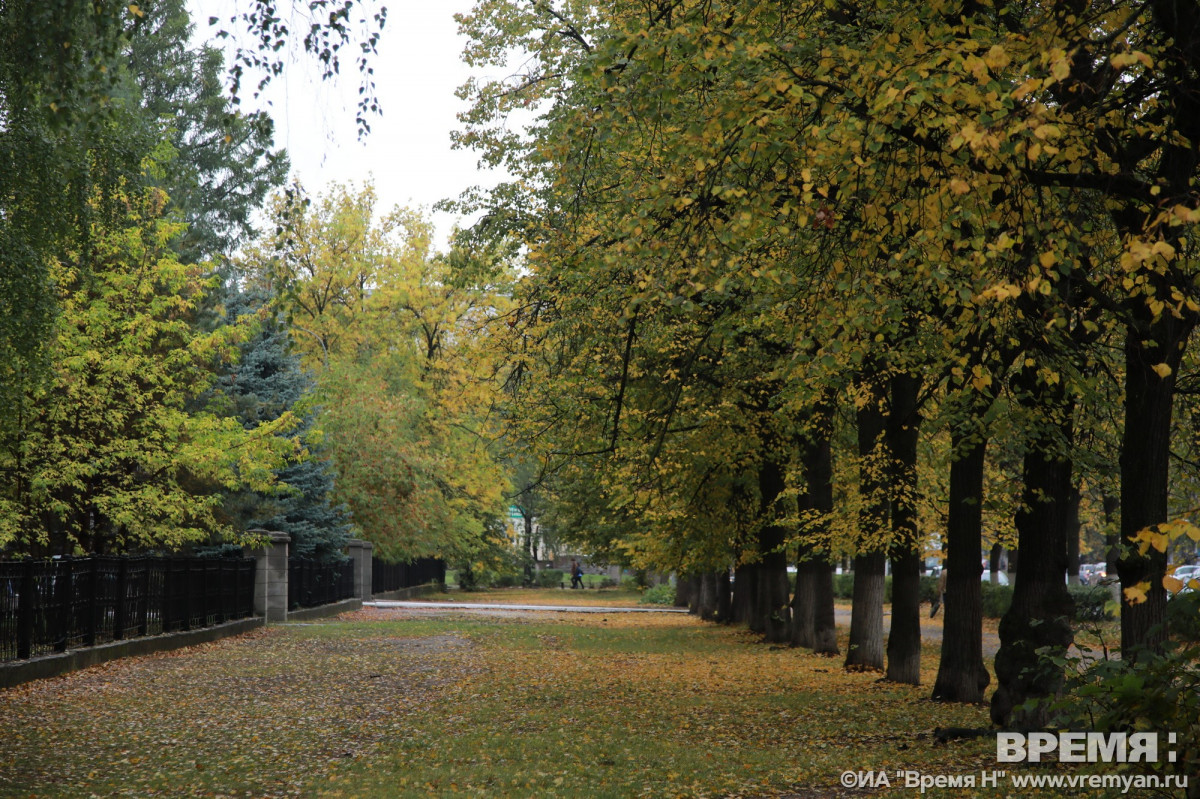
<point>386,703</point>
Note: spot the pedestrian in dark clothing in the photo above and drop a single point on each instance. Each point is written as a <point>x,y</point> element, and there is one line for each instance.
<point>576,574</point>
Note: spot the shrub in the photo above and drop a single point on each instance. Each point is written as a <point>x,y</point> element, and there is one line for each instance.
<point>550,578</point>
<point>1183,616</point>
<point>663,594</point>
<point>1159,692</point>
<point>996,599</point>
<point>1091,602</point>
<point>629,584</point>
<point>503,579</point>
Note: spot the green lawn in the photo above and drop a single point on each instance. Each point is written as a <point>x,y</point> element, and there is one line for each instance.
<point>386,704</point>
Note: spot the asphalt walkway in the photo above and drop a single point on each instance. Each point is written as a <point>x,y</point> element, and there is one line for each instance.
<point>397,603</point>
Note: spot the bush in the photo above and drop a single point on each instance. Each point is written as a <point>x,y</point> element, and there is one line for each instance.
<point>503,579</point>
<point>1183,616</point>
<point>1155,692</point>
<point>996,599</point>
<point>550,578</point>
<point>663,594</point>
<point>843,587</point>
<point>629,584</point>
<point>1091,602</point>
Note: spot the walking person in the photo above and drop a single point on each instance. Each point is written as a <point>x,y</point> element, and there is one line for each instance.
<point>576,574</point>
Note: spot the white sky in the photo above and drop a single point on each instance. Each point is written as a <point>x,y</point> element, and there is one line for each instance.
<point>408,152</point>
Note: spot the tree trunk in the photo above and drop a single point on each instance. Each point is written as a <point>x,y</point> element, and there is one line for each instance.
<point>772,585</point>
<point>1072,532</point>
<point>803,603</point>
<point>825,640</point>
<point>904,637</point>
<point>1038,623</point>
<point>724,597</point>
<point>994,558</point>
<point>1112,533</point>
<point>1145,460</point>
<point>865,651</point>
<point>745,579</point>
<point>706,601</point>
<point>866,617</point>
<point>819,474</point>
<point>685,587</point>
<point>961,675</point>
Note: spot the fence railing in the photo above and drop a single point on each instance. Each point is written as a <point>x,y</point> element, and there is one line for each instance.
<point>68,603</point>
<point>312,583</point>
<point>394,576</point>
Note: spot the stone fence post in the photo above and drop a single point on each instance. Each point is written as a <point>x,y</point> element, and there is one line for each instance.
<point>361,552</point>
<point>271,576</point>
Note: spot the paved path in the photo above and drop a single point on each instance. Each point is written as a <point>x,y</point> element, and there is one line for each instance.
<point>391,603</point>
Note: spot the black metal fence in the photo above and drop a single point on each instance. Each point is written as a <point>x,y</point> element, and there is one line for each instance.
<point>312,583</point>
<point>52,606</point>
<point>394,576</point>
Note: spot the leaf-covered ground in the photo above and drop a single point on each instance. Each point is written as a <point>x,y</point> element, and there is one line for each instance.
<point>388,703</point>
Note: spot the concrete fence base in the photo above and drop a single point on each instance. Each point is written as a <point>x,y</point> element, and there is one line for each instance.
<point>55,665</point>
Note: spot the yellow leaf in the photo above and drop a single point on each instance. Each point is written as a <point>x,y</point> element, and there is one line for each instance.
<point>1061,68</point>
<point>1136,595</point>
<point>1172,584</point>
<point>1162,370</point>
<point>1047,259</point>
<point>959,186</point>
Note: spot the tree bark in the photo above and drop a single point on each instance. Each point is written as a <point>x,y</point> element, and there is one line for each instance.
<point>1038,623</point>
<point>706,599</point>
<point>803,603</point>
<point>961,675</point>
<point>745,578</point>
<point>994,563</point>
<point>1072,533</point>
<point>684,589</point>
<point>824,621</point>
<point>904,637</point>
<point>724,597</point>
<point>1145,460</point>
<point>865,651</point>
<point>776,617</point>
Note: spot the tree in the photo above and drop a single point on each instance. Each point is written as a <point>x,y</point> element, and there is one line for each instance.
<point>388,327</point>
<point>103,454</point>
<point>265,383</point>
<point>224,162</point>
<point>70,134</point>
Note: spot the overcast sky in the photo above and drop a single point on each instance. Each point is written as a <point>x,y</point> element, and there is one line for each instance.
<point>408,150</point>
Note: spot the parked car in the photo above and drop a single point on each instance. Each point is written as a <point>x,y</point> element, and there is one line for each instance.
<point>1092,573</point>
<point>1186,573</point>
